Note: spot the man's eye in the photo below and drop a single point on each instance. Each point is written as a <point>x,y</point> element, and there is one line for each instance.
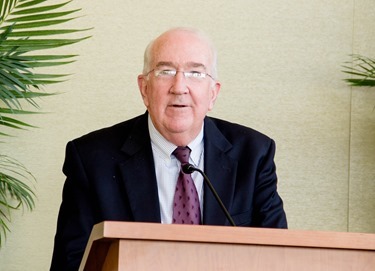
<point>167,72</point>
<point>196,74</point>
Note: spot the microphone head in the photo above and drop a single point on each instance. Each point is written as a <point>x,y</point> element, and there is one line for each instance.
<point>187,168</point>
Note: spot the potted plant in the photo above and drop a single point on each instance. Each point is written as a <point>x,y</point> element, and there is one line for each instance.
<point>28,29</point>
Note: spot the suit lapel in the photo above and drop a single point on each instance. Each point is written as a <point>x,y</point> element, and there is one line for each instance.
<point>220,168</point>
<point>138,172</point>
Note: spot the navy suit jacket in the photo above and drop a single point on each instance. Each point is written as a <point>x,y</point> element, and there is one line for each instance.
<point>111,176</point>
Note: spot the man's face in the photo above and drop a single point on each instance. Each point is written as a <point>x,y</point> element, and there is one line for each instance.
<point>177,105</point>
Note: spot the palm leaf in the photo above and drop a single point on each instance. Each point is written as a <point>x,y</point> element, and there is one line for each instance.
<point>14,192</point>
<point>15,111</point>
<point>39,24</point>
<point>39,9</point>
<point>27,29</point>
<point>363,70</point>
<point>44,32</point>
<point>13,123</point>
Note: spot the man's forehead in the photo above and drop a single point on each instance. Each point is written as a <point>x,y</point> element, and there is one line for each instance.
<point>188,64</point>
<point>181,43</point>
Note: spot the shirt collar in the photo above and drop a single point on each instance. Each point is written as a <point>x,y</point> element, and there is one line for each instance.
<point>165,148</point>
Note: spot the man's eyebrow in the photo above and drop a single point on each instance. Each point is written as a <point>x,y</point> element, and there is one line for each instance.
<point>165,64</point>
<point>195,65</point>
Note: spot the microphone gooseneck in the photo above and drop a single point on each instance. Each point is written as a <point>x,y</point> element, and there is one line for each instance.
<point>188,169</point>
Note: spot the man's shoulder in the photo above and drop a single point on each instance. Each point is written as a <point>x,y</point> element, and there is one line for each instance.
<point>117,132</point>
<point>238,138</point>
<point>235,131</point>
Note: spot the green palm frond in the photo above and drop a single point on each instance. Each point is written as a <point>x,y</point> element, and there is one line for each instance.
<point>363,70</point>
<point>27,29</point>
<point>14,192</point>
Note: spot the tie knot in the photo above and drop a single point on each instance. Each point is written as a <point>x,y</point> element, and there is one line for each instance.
<point>182,154</point>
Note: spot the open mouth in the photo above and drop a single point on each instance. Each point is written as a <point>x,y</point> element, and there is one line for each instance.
<point>177,105</point>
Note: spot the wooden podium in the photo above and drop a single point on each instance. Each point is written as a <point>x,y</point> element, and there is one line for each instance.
<point>150,246</point>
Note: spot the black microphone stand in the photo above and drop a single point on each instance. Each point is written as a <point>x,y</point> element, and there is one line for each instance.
<point>189,168</point>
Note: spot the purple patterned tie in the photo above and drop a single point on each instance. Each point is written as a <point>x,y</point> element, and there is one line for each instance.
<point>186,208</point>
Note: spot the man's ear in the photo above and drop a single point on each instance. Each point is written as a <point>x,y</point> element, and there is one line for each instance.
<point>215,89</point>
<point>142,85</point>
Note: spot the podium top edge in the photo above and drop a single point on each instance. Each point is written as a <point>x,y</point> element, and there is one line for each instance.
<point>232,235</point>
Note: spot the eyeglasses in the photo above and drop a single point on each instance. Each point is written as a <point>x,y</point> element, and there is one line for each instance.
<point>167,74</point>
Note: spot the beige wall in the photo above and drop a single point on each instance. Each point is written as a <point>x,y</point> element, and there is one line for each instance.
<point>279,64</point>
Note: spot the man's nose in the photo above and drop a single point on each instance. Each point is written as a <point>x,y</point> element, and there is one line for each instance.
<point>179,83</point>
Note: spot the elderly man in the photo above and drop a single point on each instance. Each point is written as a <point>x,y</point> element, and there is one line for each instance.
<point>132,171</point>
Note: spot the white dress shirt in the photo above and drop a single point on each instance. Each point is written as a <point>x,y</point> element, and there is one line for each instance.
<point>167,168</point>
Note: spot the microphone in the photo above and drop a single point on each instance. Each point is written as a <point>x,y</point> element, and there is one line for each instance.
<point>188,169</point>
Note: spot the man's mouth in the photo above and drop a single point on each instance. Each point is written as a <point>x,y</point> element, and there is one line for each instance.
<point>178,105</point>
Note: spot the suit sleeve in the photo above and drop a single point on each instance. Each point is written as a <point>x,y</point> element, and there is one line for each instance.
<point>76,215</point>
<point>269,211</point>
